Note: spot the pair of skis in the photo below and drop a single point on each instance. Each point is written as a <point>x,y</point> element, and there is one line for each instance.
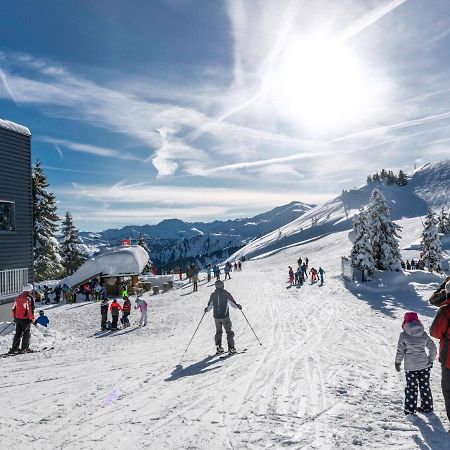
<point>224,355</point>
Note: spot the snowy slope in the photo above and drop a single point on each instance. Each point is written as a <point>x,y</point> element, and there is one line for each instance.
<point>323,379</point>
<point>428,187</point>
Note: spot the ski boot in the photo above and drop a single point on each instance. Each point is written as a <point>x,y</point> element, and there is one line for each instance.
<point>232,351</point>
<point>219,350</point>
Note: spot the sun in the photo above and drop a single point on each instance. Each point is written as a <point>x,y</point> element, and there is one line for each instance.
<point>320,86</point>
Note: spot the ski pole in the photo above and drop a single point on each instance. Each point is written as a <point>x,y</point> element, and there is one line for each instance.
<point>251,327</point>
<point>198,326</point>
<point>7,326</point>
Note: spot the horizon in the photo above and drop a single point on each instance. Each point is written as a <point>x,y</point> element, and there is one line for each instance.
<point>215,111</point>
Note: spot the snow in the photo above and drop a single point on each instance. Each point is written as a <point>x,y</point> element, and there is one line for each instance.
<point>14,127</point>
<point>323,379</point>
<point>123,261</point>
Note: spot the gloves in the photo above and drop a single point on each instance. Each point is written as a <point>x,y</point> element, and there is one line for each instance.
<point>397,367</point>
<point>239,306</point>
<point>206,310</point>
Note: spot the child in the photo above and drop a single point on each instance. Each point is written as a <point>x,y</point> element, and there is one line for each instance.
<point>411,348</point>
<point>142,305</point>
<point>42,319</point>
<point>291,276</point>
<point>115,308</point>
<point>126,310</point>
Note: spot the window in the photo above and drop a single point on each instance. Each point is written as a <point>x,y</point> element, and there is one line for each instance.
<point>7,216</point>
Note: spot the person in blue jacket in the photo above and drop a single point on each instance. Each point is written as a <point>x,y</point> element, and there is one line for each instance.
<point>42,319</point>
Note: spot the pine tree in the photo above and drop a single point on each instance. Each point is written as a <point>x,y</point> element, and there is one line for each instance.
<point>384,234</point>
<point>402,179</point>
<point>47,259</point>
<point>430,245</point>
<point>72,256</point>
<point>361,254</point>
<point>369,179</point>
<point>443,222</point>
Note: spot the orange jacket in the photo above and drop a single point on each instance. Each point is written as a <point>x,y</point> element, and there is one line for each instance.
<point>440,329</point>
<point>115,305</point>
<point>23,307</point>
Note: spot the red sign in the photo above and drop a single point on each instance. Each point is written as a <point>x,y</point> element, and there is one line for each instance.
<point>126,242</point>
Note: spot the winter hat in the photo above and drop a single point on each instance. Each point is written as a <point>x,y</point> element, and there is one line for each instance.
<point>27,287</point>
<point>219,284</point>
<point>41,313</point>
<point>410,317</point>
<point>447,287</point>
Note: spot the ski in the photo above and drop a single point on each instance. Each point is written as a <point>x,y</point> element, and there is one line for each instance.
<point>228,355</point>
<point>6,355</point>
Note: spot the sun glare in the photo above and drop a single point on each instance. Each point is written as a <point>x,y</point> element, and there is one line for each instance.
<point>320,86</point>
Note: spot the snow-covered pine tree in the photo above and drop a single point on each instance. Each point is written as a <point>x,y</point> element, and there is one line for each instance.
<point>47,258</point>
<point>361,254</point>
<point>384,234</point>
<point>72,256</point>
<point>430,244</point>
<point>443,222</point>
<point>402,179</point>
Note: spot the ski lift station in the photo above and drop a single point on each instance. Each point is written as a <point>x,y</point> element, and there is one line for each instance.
<point>115,267</point>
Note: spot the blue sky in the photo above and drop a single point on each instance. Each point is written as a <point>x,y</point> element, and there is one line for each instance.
<point>204,110</point>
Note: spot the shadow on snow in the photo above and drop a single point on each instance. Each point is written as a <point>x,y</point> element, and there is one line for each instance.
<point>203,366</point>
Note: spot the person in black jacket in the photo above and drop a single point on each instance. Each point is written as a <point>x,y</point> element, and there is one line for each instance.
<point>104,306</point>
<point>219,301</point>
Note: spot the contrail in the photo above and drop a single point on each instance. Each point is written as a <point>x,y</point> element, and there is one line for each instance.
<point>8,89</point>
<point>358,25</point>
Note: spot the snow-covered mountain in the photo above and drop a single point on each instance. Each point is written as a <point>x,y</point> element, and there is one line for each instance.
<point>428,187</point>
<point>173,241</point>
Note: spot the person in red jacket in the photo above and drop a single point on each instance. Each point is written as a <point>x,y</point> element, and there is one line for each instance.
<point>440,329</point>
<point>115,308</point>
<point>23,313</point>
<point>126,310</point>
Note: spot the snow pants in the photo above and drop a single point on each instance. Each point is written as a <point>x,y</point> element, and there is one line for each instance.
<point>22,333</point>
<point>115,319</point>
<point>227,276</point>
<point>445,384</point>
<point>143,320</point>
<point>104,320</point>
<point>226,323</point>
<point>420,378</point>
<point>125,319</point>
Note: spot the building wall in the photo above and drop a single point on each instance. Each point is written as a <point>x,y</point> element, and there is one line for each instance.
<point>16,247</point>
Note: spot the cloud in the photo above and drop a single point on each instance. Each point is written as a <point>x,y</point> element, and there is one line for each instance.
<point>88,148</point>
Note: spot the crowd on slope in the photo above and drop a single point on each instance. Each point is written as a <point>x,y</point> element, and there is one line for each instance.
<point>299,277</point>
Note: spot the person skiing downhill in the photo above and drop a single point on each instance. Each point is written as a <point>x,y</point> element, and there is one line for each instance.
<point>219,301</point>
<point>411,349</point>
<point>321,273</point>
<point>23,313</point>
<point>142,305</point>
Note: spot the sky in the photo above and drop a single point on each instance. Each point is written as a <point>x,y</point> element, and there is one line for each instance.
<point>203,110</point>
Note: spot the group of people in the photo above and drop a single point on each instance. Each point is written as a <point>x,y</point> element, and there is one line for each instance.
<point>299,277</point>
<point>412,349</point>
<point>115,308</point>
<point>413,265</point>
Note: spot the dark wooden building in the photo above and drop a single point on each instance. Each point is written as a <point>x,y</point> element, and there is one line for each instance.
<point>16,209</point>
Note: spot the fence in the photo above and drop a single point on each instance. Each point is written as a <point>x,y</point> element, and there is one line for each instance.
<point>12,281</point>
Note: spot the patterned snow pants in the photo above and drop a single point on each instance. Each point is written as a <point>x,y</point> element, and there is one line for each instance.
<point>422,379</point>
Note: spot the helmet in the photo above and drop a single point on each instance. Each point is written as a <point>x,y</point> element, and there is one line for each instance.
<point>27,288</point>
<point>219,284</point>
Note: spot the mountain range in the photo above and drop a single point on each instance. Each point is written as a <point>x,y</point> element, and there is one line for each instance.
<point>173,242</point>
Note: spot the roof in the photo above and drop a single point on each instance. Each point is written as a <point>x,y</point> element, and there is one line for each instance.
<point>120,262</point>
<point>6,124</point>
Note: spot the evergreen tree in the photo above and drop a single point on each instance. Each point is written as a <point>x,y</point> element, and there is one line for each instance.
<point>430,245</point>
<point>376,177</point>
<point>47,259</point>
<point>361,254</point>
<point>72,256</point>
<point>384,234</point>
<point>444,222</point>
<point>402,179</point>
<point>369,179</point>
<point>383,174</point>
<point>391,178</point>
<point>143,244</point>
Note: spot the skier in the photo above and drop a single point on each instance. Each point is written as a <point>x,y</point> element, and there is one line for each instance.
<point>291,276</point>
<point>104,306</point>
<point>180,274</point>
<point>208,272</point>
<point>126,311</point>
<point>115,308</point>
<point>408,265</point>
<point>411,347</point>
<point>23,313</point>
<point>440,329</point>
<point>321,273</point>
<point>142,305</point>
<point>194,280</point>
<point>235,266</point>
<point>124,291</point>
<point>216,271</point>
<point>240,264</point>
<point>299,261</point>
<point>304,269</point>
<point>42,319</point>
<point>226,269</point>
<point>57,291</point>
<point>47,292</point>
<point>313,273</point>
<point>306,262</point>
<point>219,301</point>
